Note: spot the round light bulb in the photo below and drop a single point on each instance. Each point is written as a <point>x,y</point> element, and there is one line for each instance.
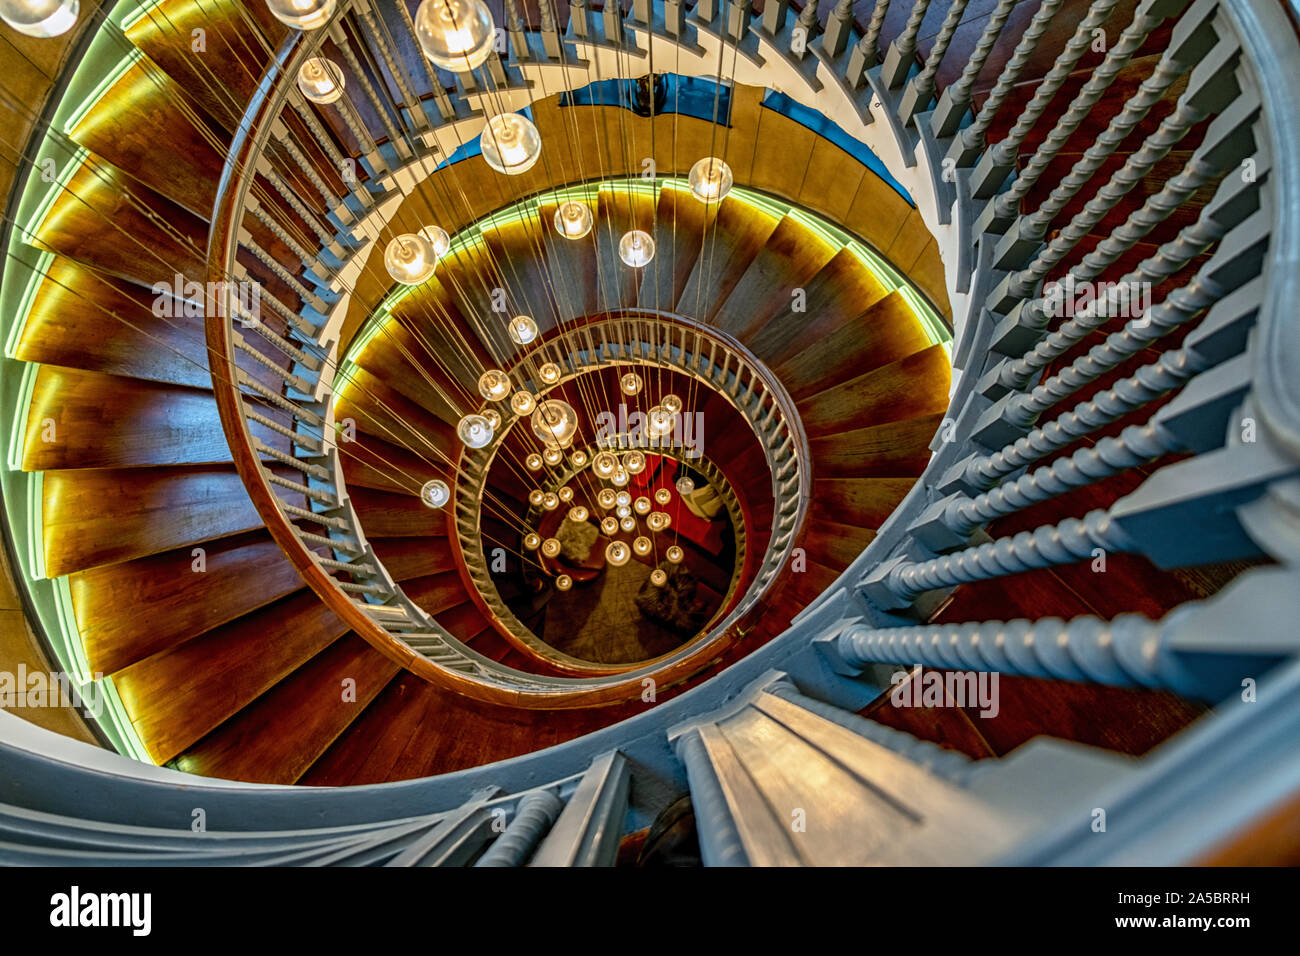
<point>549,373</point>
<point>550,501</point>
<point>493,418</point>
<point>410,259</point>
<point>658,577</point>
<point>659,422</point>
<point>494,385</point>
<point>510,143</point>
<point>532,541</point>
<point>622,499</point>
<point>663,496</point>
<point>578,459</point>
<point>671,403</point>
<point>627,524</point>
<point>321,80</point>
<point>302,14</point>
<point>642,505</point>
<point>674,555</point>
<point>606,498</point>
<point>533,462</point>
<point>475,431</point>
<point>620,477</point>
<point>623,511</point>
<point>435,493</point>
<point>438,238</point>
<point>642,545</point>
<point>710,179</point>
<point>573,220</point>
<point>555,423</point>
<point>563,582</point>
<point>634,462</point>
<point>552,456</point>
<point>636,248</point>
<point>456,35</point>
<point>522,329</point>
<point>685,485</point>
<point>522,403</point>
<point>656,521</point>
<point>609,525</point>
<point>535,497</point>
<point>566,494</point>
<point>551,547</point>
<point>618,553</point>
<point>630,383</point>
<point>604,464</point>
<point>578,514</point>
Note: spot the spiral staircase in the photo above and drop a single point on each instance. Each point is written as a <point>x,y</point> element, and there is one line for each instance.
<point>216,520</point>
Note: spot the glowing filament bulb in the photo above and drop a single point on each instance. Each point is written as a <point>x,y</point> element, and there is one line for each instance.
<point>321,80</point>
<point>438,239</point>
<point>456,35</point>
<point>573,220</point>
<point>636,248</point>
<point>565,494</point>
<point>609,525</point>
<point>630,383</point>
<point>435,493</point>
<point>627,524</point>
<point>494,385</point>
<point>551,547</point>
<point>549,373</point>
<point>659,422</point>
<point>578,514</point>
<point>620,477</point>
<point>532,541</point>
<point>522,403</point>
<point>642,545</point>
<point>552,456</point>
<point>618,553</point>
<point>475,431</point>
<point>674,555</point>
<point>642,505</point>
<point>302,14</point>
<point>535,497</point>
<point>533,462</point>
<point>656,521</point>
<point>685,485</point>
<point>622,499</point>
<point>663,496</point>
<point>410,259</point>
<point>510,143</point>
<point>710,179</point>
<point>634,462</point>
<point>550,501</point>
<point>658,577</point>
<point>563,582</point>
<point>578,459</point>
<point>671,403</point>
<point>606,498</point>
<point>522,329</point>
<point>605,464</point>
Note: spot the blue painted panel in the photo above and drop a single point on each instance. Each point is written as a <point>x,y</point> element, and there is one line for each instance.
<point>819,124</point>
<point>686,95</point>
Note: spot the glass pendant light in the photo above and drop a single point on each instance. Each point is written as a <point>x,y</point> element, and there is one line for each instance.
<point>642,505</point>
<point>535,497</point>
<point>475,431</point>
<point>563,582</point>
<point>456,35</point>
<point>40,18</point>
<point>627,524</point>
<point>636,248</point>
<point>302,14</point>
<point>510,143</point>
<point>642,545</point>
<point>578,514</point>
<point>671,403</point>
<point>663,496</point>
<point>609,525</point>
<point>685,485</point>
<point>674,555</point>
<point>522,403</point>
<point>618,553</point>
<point>659,422</point>
<point>634,462</point>
<point>658,577</point>
<point>555,423</point>
<point>606,498</point>
<point>435,493</point>
<point>550,501</point>
<point>620,477</point>
<point>551,547</point>
<point>623,511</point>
<point>710,179</point>
<point>630,383</point>
<point>549,373</point>
<point>438,238</point>
<point>493,418</point>
<point>656,521</point>
<point>410,259</point>
<point>522,329</point>
<point>573,220</point>
<point>604,464</point>
<point>578,459</point>
<point>494,385</point>
<point>565,494</point>
<point>552,456</point>
<point>622,499</point>
<point>533,462</point>
<point>532,541</point>
<point>321,80</point>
